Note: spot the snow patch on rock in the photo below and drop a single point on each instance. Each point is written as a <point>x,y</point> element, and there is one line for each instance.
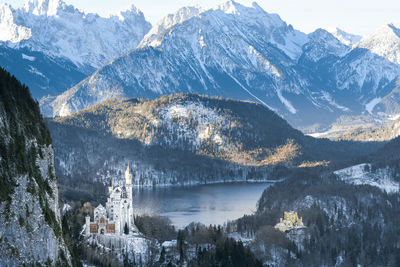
<point>286,102</point>
<point>371,104</point>
<point>28,57</point>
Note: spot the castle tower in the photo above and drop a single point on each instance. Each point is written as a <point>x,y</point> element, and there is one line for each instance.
<point>128,182</point>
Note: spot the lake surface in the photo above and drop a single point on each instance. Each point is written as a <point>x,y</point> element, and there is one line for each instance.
<point>208,204</point>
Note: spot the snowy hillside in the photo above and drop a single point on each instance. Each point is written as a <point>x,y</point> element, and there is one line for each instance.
<point>361,175</point>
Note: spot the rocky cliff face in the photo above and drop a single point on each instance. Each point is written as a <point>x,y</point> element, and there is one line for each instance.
<point>30,225</point>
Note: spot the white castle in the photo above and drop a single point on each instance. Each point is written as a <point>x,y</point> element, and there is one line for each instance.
<point>117,216</point>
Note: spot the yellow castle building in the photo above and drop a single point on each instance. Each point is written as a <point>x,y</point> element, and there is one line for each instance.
<point>289,222</point>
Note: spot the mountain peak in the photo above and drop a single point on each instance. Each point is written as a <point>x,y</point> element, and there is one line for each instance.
<point>9,30</point>
<point>323,43</point>
<point>385,31</point>
<point>393,29</point>
<point>256,6</point>
<point>346,38</point>
<point>154,36</point>
<point>233,7</point>
<point>384,42</point>
<point>43,7</point>
<point>132,11</point>
<point>252,13</point>
<point>230,7</point>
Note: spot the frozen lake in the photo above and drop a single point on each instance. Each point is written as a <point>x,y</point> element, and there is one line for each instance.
<point>208,204</point>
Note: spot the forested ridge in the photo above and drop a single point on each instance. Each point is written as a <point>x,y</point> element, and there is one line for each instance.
<point>346,224</point>
<point>185,139</point>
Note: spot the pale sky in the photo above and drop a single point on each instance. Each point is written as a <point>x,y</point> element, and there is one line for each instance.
<point>354,16</point>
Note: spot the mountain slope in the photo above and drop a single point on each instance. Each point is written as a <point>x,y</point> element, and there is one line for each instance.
<point>184,139</point>
<point>384,133</point>
<point>61,41</point>
<point>30,225</point>
<point>243,53</point>
<point>44,75</point>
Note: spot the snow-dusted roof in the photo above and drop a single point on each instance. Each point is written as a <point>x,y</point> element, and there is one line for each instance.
<point>99,207</point>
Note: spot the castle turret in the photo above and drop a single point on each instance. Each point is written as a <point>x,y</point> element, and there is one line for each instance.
<point>87,226</point>
<point>110,187</point>
<point>128,186</point>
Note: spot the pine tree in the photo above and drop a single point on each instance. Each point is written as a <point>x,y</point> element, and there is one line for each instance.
<point>162,255</point>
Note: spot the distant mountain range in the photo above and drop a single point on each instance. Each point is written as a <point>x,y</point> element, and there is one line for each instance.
<point>246,53</point>
<point>232,50</point>
<point>184,139</point>
<point>55,45</point>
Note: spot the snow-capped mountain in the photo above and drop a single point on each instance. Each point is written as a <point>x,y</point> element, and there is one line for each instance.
<point>232,50</point>
<point>345,37</point>
<point>64,35</point>
<point>323,44</point>
<point>242,52</point>
<point>385,42</point>
<point>9,30</point>
<point>61,30</point>
<point>372,68</point>
<point>156,34</point>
